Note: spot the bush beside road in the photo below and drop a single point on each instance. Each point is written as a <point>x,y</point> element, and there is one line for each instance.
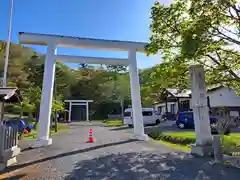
<point>182,140</point>
<point>113,123</point>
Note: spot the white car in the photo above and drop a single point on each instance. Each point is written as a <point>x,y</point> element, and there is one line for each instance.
<point>150,116</point>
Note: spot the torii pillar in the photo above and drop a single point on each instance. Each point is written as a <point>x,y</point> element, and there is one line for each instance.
<point>203,144</point>
<point>47,95</point>
<point>136,97</point>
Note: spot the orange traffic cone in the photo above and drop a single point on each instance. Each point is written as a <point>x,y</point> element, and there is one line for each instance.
<point>90,138</point>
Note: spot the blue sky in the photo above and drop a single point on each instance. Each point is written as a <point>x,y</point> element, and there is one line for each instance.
<point>106,19</point>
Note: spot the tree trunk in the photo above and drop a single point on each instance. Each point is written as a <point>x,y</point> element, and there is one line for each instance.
<point>2,111</point>
<point>56,123</point>
<point>122,107</point>
<point>21,111</point>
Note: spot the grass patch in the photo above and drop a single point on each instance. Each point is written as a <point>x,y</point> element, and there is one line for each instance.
<point>114,123</point>
<point>185,148</point>
<point>182,140</point>
<point>33,135</point>
<point>10,116</point>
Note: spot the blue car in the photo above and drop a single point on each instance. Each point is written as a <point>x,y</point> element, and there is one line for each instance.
<point>185,120</point>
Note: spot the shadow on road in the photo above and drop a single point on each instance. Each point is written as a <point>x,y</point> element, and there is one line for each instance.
<point>120,128</point>
<point>85,124</point>
<point>27,149</point>
<point>18,166</point>
<point>171,126</point>
<point>141,166</point>
<point>151,127</point>
<point>164,128</point>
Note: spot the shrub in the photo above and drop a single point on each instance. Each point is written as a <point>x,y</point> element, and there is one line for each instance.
<point>172,139</point>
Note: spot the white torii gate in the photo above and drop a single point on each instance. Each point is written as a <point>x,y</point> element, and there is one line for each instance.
<point>78,102</point>
<point>54,41</point>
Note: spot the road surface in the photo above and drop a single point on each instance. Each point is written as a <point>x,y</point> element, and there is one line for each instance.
<point>112,157</point>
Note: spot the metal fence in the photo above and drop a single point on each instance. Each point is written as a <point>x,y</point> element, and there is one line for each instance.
<point>8,138</point>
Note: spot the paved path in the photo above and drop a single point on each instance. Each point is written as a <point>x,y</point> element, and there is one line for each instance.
<point>112,157</point>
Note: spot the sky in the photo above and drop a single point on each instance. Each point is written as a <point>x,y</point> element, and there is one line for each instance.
<point>126,20</point>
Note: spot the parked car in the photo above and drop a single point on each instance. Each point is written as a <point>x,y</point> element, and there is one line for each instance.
<point>150,116</point>
<point>186,120</point>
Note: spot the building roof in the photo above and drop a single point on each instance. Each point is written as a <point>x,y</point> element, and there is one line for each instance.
<point>176,93</point>
<point>173,94</point>
<point>10,95</point>
<point>187,92</point>
<point>215,87</point>
<point>179,94</point>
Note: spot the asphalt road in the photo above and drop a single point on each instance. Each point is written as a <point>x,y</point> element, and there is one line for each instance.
<point>171,126</point>
<point>114,156</point>
<point>164,127</point>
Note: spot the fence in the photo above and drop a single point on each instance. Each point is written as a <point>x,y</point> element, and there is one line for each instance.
<point>8,138</point>
<point>219,150</point>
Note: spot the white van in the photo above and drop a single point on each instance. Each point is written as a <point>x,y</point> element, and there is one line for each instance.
<point>150,116</point>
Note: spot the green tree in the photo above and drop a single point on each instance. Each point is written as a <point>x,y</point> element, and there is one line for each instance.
<point>25,107</point>
<point>120,82</point>
<point>64,80</point>
<point>35,69</point>
<point>33,95</point>
<point>205,32</point>
<point>57,103</point>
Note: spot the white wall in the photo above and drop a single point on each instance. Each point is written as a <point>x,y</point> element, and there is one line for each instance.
<point>223,97</point>
<point>156,106</point>
<point>218,98</point>
<point>169,105</point>
<point>163,105</point>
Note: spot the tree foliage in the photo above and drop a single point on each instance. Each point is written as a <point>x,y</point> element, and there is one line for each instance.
<point>204,32</point>
<point>104,86</point>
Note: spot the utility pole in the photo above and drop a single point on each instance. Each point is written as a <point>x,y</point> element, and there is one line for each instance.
<point>4,81</point>
<point>55,98</point>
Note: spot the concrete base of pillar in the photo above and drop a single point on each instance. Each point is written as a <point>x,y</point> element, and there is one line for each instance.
<point>201,150</point>
<point>143,137</point>
<point>9,162</point>
<point>9,157</point>
<point>42,142</point>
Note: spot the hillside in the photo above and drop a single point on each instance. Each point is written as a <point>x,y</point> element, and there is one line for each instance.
<point>20,60</point>
<point>26,69</point>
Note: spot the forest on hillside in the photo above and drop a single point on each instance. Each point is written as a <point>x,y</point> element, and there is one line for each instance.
<point>106,87</point>
<point>185,32</point>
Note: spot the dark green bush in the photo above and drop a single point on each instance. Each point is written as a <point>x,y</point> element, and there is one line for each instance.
<point>174,140</point>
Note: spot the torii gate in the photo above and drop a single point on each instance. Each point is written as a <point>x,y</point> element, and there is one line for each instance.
<point>54,41</point>
<point>78,102</point>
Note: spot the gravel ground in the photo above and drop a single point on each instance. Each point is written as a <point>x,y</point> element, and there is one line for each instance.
<point>113,156</point>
